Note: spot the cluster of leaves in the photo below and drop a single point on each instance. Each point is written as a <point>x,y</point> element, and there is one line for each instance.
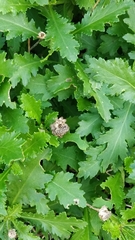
<point>84,71</point>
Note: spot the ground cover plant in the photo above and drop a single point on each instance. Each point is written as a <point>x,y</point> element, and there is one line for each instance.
<point>67,119</point>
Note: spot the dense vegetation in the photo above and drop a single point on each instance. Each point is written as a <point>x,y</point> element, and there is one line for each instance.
<point>67,119</point>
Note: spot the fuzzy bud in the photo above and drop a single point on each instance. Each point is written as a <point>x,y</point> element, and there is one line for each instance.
<point>59,127</point>
<point>104,214</point>
<point>12,233</point>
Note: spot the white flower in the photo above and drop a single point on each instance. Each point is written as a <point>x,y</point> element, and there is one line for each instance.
<point>12,233</point>
<point>76,201</point>
<point>104,214</point>
<point>59,127</point>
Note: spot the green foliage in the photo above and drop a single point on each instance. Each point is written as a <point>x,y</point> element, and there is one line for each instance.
<point>72,61</point>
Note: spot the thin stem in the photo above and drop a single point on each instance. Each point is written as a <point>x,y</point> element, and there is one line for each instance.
<point>35,44</point>
<point>90,206</point>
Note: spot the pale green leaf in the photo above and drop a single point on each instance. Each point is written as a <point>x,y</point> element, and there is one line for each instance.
<point>5,95</point>
<point>74,137</point>
<point>14,6</point>
<point>88,168</point>
<point>115,73</point>
<point>16,25</point>
<point>130,20</point>
<point>115,185</point>
<point>118,138</point>
<point>10,148</point>
<point>40,2</point>
<point>9,117</point>
<point>66,191</point>
<point>101,16</point>
<point>26,66</point>
<point>61,225</point>
<point>31,107</point>
<point>90,123</point>
<point>60,36</point>
<point>25,188</point>
<point>130,38</point>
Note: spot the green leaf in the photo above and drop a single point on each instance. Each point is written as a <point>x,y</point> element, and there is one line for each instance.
<point>117,74</point>
<point>31,107</point>
<point>40,2</point>
<point>87,232</point>
<point>5,95</point>
<point>3,198</point>
<point>130,20</point>
<point>67,192</point>
<point>61,225</point>
<point>63,80</point>
<point>115,185</point>
<point>24,231</point>
<point>35,143</point>
<point>90,123</point>
<point>6,66</point>
<point>89,168</point>
<point>118,138</point>
<point>110,45</point>
<point>128,213</point>
<point>24,189</point>
<point>13,6</point>
<point>74,137</point>
<point>10,148</point>
<point>37,85</point>
<point>66,156</point>
<point>103,103</point>
<point>9,117</point>
<point>16,25</point>
<point>26,66</point>
<point>60,36</point>
<point>98,19</point>
<point>85,3</point>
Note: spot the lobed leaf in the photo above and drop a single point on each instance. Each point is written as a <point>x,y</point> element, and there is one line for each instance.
<point>10,147</point>
<point>25,67</point>
<point>17,25</point>
<point>98,19</point>
<point>117,74</point>
<point>9,117</point>
<point>24,188</point>
<point>35,143</point>
<point>60,36</point>
<point>59,225</point>
<point>115,184</point>
<point>31,106</point>
<point>118,138</point>
<point>5,88</point>
<point>90,123</point>
<point>14,6</point>
<point>67,192</point>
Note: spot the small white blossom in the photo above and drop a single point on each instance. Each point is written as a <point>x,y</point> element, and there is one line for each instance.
<point>12,233</point>
<point>41,35</point>
<point>76,201</point>
<point>104,214</point>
